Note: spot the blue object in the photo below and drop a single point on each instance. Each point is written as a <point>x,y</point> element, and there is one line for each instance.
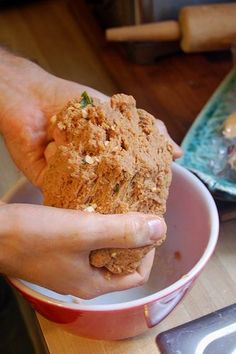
<point>206,151</point>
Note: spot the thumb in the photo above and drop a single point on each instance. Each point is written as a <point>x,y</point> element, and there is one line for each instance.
<point>73,89</point>
<point>122,230</point>
<point>177,151</point>
<point>85,231</point>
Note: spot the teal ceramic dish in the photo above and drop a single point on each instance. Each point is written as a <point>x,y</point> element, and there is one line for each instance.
<point>206,151</point>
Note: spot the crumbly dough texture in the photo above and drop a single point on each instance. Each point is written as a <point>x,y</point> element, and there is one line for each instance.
<point>111,159</point>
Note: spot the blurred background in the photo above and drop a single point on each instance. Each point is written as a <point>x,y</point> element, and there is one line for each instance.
<point>67,38</point>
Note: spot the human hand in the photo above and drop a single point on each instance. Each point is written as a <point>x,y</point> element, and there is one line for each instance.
<point>29,98</point>
<point>42,245</point>
<point>50,247</point>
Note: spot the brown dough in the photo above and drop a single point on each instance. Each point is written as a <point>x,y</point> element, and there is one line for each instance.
<point>111,159</point>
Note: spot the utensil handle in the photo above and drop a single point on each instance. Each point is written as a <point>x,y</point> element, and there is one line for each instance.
<point>157,31</point>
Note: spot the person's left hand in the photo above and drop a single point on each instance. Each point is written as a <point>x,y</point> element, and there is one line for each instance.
<point>29,98</point>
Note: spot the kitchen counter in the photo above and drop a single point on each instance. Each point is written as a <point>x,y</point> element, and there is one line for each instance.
<point>69,44</point>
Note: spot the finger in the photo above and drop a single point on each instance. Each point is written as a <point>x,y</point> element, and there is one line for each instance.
<point>76,89</point>
<point>71,89</point>
<point>78,231</point>
<point>177,151</point>
<point>146,265</point>
<point>50,151</point>
<point>103,282</point>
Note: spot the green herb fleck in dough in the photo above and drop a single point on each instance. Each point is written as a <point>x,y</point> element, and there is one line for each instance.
<point>85,100</point>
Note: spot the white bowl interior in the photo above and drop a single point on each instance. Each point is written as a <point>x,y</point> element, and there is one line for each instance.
<point>190,216</point>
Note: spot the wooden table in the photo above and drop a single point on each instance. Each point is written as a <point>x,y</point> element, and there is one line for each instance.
<point>69,44</point>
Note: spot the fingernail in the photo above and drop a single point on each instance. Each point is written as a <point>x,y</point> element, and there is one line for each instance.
<point>157,228</point>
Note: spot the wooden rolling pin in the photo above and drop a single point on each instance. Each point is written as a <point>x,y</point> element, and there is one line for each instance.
<point>200,28</point>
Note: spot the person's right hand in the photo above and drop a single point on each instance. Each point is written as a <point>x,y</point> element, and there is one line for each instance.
<point>50,247</point>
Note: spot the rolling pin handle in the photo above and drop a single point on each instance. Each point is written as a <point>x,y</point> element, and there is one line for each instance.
<point>158,31</point>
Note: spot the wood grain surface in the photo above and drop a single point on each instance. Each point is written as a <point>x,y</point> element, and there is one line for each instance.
<point>63,37</point>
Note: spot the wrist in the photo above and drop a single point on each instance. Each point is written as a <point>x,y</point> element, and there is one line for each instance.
<point>3,240</point>
<point>11,240</point>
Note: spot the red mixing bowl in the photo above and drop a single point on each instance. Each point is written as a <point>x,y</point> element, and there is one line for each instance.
<point>193,226</point>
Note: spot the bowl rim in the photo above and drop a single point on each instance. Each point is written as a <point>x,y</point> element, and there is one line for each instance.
<point>183,282</point>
